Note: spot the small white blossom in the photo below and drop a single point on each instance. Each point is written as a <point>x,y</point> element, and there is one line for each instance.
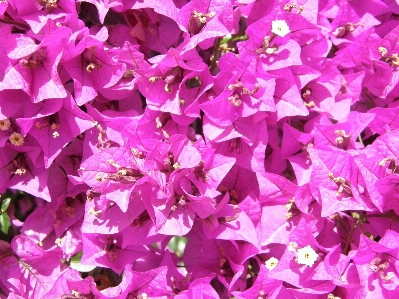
<point>306,256</point>
<point>280,27</point>
<point>5,124</point>
<point>143,296</point>
<point>271,263</point>
<point>16,139</point>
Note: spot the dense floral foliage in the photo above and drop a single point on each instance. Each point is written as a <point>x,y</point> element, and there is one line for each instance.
<point>199,149</point>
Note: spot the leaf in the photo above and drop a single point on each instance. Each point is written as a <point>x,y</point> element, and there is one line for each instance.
<point>5,204</point>
<point>90,12</point>
<point>75,263</point>
<point>114,278</point>
<point>77,257</point>
<point>113,18</point>
<point>177,245</point>
<point>5,223</point>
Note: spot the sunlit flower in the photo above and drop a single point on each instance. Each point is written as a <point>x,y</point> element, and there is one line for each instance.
<point>5,124</point>
<point>280,27</point>
<point>143,296</point>
<point>17,139</point>
<point>271,263</point>
<point>306,256</point>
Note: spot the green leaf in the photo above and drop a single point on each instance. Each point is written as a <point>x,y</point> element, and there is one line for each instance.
<point>75,263</point>
<point>240,37</point>
<point>177,245</point>
<point>225,39</point>
<point>5,223</point>
<point>5,204</point>
<point>172,245</point>
<point>77,257</point>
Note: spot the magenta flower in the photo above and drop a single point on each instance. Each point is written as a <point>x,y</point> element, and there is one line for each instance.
<point>375,263</point>
<point>205,21</point>
<point>137,283</point>
<point>210,149</point>
<point>54,123</point>
<point>106,251</point>
<point>36,14</point>
<point>22,170</point>
<point>90,66</point>
<point>25,262</point>
<point>243,93</point>
<point>110,172</point>
<point>238,140</point>
<point>32,65</point>
<point>161,83</point>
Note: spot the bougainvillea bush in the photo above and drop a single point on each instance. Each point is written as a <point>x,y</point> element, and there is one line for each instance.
<point>199,149</point>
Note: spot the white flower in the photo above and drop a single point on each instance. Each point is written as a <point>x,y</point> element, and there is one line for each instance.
<point>143,296</point>
<point>5,124</point>
<point>271,263</point>
<point>280,27</point>
<point>306,256</point>
<point>16,139</point>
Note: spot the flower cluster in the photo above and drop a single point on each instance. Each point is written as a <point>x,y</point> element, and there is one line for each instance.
<point>199,149</point>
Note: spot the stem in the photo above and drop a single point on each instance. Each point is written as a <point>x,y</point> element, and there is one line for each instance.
<point>272,38</point>
<point>377,216</point>
<point>390,215</point>
<point>348,241</point>
<point>12,22</point>
<point>216,55</point>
